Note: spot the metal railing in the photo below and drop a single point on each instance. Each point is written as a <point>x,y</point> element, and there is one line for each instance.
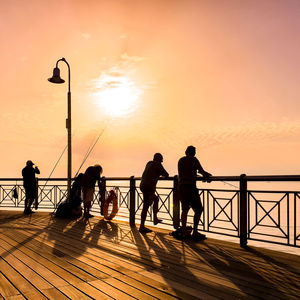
<point>262,215</point>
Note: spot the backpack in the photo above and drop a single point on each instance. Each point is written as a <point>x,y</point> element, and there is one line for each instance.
<point>64,210</point>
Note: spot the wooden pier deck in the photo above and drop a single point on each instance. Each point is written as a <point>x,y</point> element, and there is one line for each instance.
<point>44,257</point>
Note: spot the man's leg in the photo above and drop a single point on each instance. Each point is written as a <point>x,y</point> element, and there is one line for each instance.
<point>26,204</point>
<point>197,216</point>
<point>30,202</point>
<point>146,205</point>
<point>185,196</point>
<point>156,220</point>
<point>183,222</point>
<point>87,209</point>
<point>198,209</point>
<point>29,194</point>
<point>88,195</point>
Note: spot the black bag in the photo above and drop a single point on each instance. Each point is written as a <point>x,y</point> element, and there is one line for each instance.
<point>64,210</point>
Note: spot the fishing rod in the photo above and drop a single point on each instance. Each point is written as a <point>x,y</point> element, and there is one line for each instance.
<point>61,155</point>
<point>90,149</point>
<point>64,150</point>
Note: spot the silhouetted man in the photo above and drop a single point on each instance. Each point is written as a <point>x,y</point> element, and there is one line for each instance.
<point>152,172</point>
<point>90,177</point>
<point>29,183</point>
<point>188,166</point>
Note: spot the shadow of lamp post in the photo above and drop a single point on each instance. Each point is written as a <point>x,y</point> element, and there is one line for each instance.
<point>57,79</point>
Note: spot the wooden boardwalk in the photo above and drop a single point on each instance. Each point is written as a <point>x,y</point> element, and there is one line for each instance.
<point>43,257</point>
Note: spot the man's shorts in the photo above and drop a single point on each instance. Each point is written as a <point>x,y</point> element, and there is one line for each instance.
<point>149,196</point>
<point>30,193</point>
<point>189,198</point>
<point>88,194</point>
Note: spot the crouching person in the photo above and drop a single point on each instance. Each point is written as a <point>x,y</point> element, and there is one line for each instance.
<point>89,179</point>
<point>75,197</point>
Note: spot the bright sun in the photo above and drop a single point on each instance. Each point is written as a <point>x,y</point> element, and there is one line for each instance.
<point>117,95</point>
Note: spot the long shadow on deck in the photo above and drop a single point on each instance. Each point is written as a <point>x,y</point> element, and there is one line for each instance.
<point>245,271</point>
<point>172,265</point>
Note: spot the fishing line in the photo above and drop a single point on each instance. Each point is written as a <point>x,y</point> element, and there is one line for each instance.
<point>230,184</point>
<point>54,168</point>
<point>90,150</point>
<point>59,158</point>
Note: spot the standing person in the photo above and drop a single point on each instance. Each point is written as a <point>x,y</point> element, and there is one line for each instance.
<point>188,166</point>
<point>90,177</point>
<point>152,172</point>
<point>29,183</point>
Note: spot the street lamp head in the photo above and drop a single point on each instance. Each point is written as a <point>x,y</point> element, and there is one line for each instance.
<point>56,76</point>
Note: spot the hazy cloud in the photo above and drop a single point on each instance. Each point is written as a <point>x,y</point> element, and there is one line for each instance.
<point>123,36</point>
<point>253,132</point>
<point>125,57</point>
<point>86,35</point>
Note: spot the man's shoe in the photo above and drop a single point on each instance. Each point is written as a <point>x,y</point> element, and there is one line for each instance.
<point>144,230</point>
<point>198,236</point>
<point>88,216</point>
<point>157,221</point>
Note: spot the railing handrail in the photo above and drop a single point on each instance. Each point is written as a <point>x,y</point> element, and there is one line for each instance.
<point>237,209</point>
<point>212,178</point>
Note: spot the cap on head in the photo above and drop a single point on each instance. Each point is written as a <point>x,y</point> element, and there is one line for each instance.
<point>99,168</point>
<point>29,163</point>
<point>190,150</point>
<point>158,157</point>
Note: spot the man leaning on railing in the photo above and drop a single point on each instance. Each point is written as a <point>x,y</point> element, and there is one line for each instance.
<point>188,166</point>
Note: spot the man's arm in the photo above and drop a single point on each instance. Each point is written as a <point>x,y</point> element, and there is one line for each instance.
<point>36,170</point>
<point>202,171</point>
<point>164,173</point>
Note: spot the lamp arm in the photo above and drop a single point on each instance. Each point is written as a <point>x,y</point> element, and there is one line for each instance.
<point>69,72</point>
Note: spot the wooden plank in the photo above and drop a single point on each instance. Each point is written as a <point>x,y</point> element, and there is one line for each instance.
<point>7,288</point>
<point>246,283</point>
<point>133,291</point>
<point>134,264</point>
<point>54,293</point>
<point>86,263</point>
<point>152,287</point>
<point>24,270</point>
<point>35,265</point>
<point>56,264</point>
<point>15,297</point>
<point>202,291</point>
<point>22,284</point>
<point>113,291</point>
<point>94,292</point>
<point>65,242</point>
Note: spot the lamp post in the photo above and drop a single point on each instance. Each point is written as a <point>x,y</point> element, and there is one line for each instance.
<point>57,79</point>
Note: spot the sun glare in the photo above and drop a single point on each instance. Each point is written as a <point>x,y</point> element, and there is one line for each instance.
<point>116,96</point>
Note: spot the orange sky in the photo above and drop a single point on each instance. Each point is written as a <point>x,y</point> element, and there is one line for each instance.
<point>221,75</point>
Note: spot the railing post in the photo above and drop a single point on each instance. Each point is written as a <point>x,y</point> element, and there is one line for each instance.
<point>102,194</point>
<point>132,189</point>
<point>176,210</point>
<point>243,211</point>
<point>36,200</point>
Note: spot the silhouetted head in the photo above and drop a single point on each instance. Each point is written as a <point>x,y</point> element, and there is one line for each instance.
<point>190,150</point>
<point>29,163</point>
<point>158,157</point>
<point>79,178</point>
<point>99,168</point>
